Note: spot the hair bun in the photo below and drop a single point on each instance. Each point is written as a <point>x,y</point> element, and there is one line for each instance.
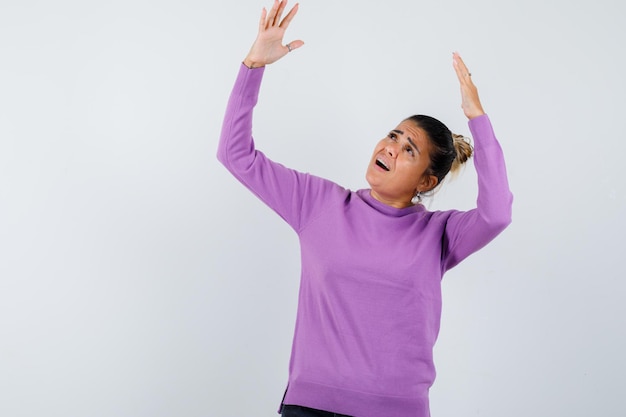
<point>464,151</point>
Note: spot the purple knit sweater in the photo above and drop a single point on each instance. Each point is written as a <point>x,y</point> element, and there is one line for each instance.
<point>369,306</point>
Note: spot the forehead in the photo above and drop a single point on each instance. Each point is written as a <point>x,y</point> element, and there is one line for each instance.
<point>417,134</point>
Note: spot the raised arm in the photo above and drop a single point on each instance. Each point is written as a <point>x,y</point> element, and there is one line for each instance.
<point>291,194</point>
<point>467,232</point>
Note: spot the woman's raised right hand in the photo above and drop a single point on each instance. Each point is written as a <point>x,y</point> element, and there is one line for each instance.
<point>268,46</point>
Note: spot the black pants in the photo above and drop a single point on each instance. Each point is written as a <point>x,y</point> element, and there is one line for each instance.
<point>297,411</point>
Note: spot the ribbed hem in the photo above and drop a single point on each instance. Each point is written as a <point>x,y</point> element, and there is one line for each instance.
<point>353,403</point>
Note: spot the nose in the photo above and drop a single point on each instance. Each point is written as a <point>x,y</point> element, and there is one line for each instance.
<point>392,149</point>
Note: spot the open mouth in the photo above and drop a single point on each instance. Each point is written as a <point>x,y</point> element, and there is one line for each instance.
<point>382,164</point>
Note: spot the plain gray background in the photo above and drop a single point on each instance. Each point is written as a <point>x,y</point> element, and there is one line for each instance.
<point>138,278</point>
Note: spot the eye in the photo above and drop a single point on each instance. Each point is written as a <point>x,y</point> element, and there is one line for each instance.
<point>392,136</point>
<point>409,150</point>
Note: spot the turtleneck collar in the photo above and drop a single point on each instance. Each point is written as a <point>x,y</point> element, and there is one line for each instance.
<point>366,196</point>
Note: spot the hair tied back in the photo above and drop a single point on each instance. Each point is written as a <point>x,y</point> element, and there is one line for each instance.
<point>464,151</point>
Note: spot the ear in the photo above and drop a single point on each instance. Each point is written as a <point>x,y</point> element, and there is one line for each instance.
<point>427,183</point>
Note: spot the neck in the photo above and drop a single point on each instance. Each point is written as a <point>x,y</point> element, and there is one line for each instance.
<point>393,202</point>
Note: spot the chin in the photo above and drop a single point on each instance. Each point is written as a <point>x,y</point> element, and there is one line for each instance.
<point>370,178</point>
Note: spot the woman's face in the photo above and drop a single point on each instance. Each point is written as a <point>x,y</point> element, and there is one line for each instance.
<point>399,164</point>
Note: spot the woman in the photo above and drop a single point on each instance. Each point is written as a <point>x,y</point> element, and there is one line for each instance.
<point>372,260</point>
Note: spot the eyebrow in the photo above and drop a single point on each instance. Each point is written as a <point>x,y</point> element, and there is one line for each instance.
<point>408,138</point>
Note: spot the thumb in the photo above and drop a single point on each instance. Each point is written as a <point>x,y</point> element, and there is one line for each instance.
<point>295,44</point>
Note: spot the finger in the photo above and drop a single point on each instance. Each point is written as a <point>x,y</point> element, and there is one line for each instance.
<point>459,66</point>
<point>279,12</point>
<point>294,45</point>
<point>462,72</point>
<point>272,14</point>
<point>292,13</point>
<point>262,20</point>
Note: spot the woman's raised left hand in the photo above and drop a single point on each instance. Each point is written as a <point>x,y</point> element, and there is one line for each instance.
<point>470,103</point>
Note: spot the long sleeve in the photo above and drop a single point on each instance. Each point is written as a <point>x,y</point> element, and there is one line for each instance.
<point>467,232</point>
<point>293,195</point>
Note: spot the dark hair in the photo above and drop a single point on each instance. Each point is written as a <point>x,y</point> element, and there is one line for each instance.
<point>448,150</point>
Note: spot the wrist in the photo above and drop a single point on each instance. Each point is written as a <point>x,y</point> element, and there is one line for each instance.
<point>250,63</point>
<point>475,115</point>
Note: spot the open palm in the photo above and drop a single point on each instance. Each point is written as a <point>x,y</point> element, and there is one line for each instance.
<point>268,46</point>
